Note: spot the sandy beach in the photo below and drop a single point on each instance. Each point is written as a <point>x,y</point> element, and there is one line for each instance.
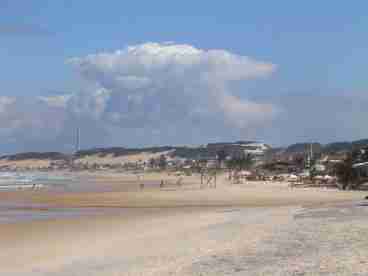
<point>249,229</point>
<point>183,138</point>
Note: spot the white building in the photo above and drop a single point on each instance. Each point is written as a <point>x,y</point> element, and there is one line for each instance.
<point>255,149</point>
<point>240,149</point>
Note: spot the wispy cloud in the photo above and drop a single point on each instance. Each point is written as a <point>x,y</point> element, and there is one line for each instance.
<point>24,30</point>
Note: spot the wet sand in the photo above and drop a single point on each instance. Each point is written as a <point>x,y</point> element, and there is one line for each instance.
<point>112,190</point>
<point>249,229</point>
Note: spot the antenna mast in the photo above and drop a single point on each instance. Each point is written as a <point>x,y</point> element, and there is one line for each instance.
<point>77,141</point>
<point>311,151</point>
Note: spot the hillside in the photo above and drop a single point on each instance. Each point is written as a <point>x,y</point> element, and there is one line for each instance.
<point>35,156</point>
<point>120,151</point>
<point>303,147</point>
<point>123,154</point>
<point>337,147</point>
<point>330,148</point>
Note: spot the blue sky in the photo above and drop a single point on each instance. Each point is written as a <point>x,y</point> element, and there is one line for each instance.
<point>318,47</point>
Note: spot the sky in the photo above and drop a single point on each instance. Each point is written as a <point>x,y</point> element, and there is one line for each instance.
<point>144,73</point>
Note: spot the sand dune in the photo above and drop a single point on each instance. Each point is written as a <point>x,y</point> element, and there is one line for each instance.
<point>28,163</point>
<point>111,159</point>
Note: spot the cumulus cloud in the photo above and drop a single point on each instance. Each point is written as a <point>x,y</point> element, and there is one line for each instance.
<point>155,84</point>
<point>90,104</point>
<point>151,93</point>
<point>242,113</point>
<point>165,93</point>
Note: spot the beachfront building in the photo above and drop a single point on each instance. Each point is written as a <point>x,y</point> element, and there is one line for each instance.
<point>241,149</point>
<point>361,169</point>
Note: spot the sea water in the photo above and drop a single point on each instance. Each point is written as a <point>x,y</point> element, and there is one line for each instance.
<point>11,211</point>
<point>34,180</point>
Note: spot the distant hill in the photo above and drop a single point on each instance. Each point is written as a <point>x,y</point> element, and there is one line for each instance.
<point>303,147</point>
<point>188,152</point>
<point>193,152</point>
<point>345,146</point>
<point>120,151</point>
<point>36,156</point>
<point>330,148</point>
<point>219,144</point>
<point>360,143</point>
<point>337,147</point>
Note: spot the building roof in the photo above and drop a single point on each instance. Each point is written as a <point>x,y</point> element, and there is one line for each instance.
<point>360,165</point>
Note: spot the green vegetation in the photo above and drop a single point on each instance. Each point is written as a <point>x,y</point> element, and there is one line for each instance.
<point>241,163</point>
<point>347,176</point>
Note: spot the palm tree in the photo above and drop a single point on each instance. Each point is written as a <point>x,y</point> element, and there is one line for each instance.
<point>162,162</point>
<point>244,162</point>
<point>151,163</point>
<point>221,156</point>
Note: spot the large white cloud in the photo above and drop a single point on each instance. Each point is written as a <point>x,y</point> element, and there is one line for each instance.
<point>173,94</point>
<point>151,93</point>
<point>154,84</point>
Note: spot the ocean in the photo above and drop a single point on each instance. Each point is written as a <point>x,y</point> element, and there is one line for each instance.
<point>10,181</point>
<point>13,212</point>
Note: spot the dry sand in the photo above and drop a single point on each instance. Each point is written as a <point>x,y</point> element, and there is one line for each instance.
<point>249,229</point>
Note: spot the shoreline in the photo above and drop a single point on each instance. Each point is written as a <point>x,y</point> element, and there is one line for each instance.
<point>230,196</point>
<point>121,191</point>
<point>176,230</point>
